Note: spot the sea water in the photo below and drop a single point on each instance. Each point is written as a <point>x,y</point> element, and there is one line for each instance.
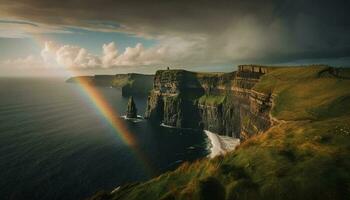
<point>55,144</point>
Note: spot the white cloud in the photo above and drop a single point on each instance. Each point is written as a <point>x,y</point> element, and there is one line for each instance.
<point>169,51</point>
<point>48,53</point>
<point>68,56</point>
<point>76,57</point>
<point>131,56</point>
<point>110,54</point>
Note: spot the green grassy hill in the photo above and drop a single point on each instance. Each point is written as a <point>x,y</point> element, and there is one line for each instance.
<point>306,155</point>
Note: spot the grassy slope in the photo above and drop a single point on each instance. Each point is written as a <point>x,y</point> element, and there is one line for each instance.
<point>121,82</point>
<point>211,99</point>
<point>303,94</point>
<point>306,156</point>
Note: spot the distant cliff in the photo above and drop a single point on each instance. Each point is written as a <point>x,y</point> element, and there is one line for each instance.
<point>223,103</point>
<point>131,84</point>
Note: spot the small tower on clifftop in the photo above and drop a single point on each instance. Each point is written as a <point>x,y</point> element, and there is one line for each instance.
<point>131,111</point>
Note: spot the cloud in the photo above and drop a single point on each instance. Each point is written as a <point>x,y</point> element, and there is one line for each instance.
<point>195,32</point>
<point>55,55</point>
<point>169,50</point>
<point>21,29</point>
<point>68,56</point>
<point>110,54</point>
<point>76,57</point>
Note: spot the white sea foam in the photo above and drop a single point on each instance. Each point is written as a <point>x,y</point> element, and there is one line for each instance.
<point>115,189</point>
<point>135,120</point>
<point>167,126</point>
<point>218,144</point>
<point>174,127</point>
<point>221,144</point>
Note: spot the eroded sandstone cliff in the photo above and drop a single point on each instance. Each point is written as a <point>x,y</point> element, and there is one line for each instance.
<point>224,103</point>
<point>311,106</point>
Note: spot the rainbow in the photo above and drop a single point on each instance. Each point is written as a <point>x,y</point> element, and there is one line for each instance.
<point>115,121</point>
<point>109,113</point>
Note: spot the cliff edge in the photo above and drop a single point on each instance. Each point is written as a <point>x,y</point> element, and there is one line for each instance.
<point>303,152</point>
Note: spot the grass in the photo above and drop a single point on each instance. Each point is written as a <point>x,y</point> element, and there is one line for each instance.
<point>297,160</point>
<point>302,95</point>
<point>211,99</point>
<point>305,157</point>
<point>120,82</point>
<point>208,74</point>
<point>134,83</point>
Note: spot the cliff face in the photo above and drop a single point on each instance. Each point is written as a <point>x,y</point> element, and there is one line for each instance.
<point>311,105</point>
<point>131,84</point>
<point>223,103</point>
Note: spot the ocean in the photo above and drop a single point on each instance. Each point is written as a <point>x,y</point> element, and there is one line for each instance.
<point>55,144</point>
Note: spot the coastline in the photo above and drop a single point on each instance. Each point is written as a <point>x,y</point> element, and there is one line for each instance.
<point>221,144</point>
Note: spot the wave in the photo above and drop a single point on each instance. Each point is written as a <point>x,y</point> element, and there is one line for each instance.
<point>135,120</point>
<point>220,144</point>
<point>174,127</point>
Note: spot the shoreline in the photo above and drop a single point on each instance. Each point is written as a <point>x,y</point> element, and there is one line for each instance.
<point>221,144</point>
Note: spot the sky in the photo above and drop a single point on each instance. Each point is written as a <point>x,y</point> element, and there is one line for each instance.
<point>52,38</point>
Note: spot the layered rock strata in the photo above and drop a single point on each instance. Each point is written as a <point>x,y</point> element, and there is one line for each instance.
<point>224,103</point>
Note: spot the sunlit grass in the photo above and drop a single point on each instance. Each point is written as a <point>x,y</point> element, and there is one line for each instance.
<point>211,99</point>
<point>301,94</point>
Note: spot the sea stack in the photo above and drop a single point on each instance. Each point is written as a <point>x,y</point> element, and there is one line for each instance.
<point>131,111</point>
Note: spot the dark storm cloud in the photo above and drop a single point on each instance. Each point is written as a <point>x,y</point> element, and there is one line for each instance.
<point>233,31</point>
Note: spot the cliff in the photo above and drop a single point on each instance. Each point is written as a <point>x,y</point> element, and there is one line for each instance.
<point>131,84</point>
<point>302,154</point>
<point>224,103</point>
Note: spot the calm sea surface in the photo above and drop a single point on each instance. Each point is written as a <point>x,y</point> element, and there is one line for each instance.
<point>54,144</point>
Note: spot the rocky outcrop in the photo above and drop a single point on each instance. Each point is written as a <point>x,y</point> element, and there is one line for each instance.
<point>131,111</point>
<point>224,103</point>
<point>131,84</point>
